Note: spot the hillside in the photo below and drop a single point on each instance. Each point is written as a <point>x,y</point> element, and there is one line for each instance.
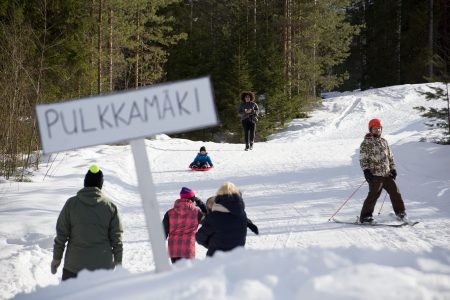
<point>291,185</point>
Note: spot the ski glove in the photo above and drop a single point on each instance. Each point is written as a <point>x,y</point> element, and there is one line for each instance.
<point>252,227</point>
<point>368,175</point>
<point>54,265</point>
<point>393,173</point>
<point>197,201</point>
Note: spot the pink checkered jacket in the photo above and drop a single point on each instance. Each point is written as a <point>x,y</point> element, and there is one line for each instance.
<point>183,221</point>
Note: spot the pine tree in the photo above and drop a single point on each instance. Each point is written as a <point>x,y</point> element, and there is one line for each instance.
<point>152,35</point>
<point>41,61</point>
<point>439,44</point>
<point>398,41</point>
<point>289,49</point>
<point>321,38</point>
<point>439,117</point>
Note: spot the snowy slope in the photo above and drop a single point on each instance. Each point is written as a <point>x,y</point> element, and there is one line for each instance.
<point>291,184</point>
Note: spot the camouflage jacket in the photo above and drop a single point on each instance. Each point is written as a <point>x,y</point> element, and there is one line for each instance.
<point>375,155</point>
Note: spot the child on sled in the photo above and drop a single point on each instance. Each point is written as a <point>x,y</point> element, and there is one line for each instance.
<point>202,160</point>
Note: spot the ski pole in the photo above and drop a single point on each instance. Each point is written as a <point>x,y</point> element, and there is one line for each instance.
<point>382,203</point>
<point>346,201</point>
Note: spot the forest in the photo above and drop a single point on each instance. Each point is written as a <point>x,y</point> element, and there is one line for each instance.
<point>288,52</point>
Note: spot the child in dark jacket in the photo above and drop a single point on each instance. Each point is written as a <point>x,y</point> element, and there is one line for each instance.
<point>202,160</point>
<point>250,224</point>
<point>180,225</point>
<point>225,228</point>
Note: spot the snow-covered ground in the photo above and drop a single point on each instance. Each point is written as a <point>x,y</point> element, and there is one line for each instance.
<point>291,184</point>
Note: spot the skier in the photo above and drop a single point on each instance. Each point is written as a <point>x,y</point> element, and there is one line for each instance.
<point>377,162</point>
<point>225,228</point>
<point>180,225</point>
<point>249,116</point>
<point>89,222</point>
<point>202,160</point>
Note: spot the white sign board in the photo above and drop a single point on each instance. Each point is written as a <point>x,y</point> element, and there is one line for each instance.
<point>168,108</point>
<point>165,108</point>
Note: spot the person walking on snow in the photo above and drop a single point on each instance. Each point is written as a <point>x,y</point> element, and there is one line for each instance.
<point>180,225</point>
<point>90,225</point>
<point>377,162</point>
<point>202,160</point>
<point>249,116</point>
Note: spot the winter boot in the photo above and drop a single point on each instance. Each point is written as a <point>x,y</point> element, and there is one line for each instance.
<point>402,216</point>
<point>368,219</point>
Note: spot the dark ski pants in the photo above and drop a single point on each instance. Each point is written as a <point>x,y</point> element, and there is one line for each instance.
<point>199,165</point>
<point>67,275</point>
<point>175,259</point>
<point>376,186</point>
<point>249,132</point>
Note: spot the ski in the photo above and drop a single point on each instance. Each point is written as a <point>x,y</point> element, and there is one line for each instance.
<point>376,224</point>
<point>410,223</point>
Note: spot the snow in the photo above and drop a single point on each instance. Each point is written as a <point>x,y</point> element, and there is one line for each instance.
<point>291,184</point>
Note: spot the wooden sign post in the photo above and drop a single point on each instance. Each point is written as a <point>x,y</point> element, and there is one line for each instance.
<point>131,116</point>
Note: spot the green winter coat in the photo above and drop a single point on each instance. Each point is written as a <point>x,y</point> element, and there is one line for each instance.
<point>375,155</point>
<point>90,224</point>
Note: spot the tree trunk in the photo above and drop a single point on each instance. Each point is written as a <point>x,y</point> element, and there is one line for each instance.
<point>92,45</point>
<point>289,48</point>
<point>363,46</point>
<point>448,107</point>
<point>99,48</point>
<point>314,83</point>
<point>138,40</point>
<point>247,24</point>
<point>430,39</point>
<point>254,22</point>
<point>211,31</point>
<point>111,49</point>
<point>296,42</point>
<point>398,53</point>
<point>34,137</point>
<point>287,36</point>
<point>12,141</point>
<point>192,16</point>
<point>267,17</point>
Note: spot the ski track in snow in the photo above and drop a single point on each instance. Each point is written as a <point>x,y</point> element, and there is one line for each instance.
<point>291,185</point>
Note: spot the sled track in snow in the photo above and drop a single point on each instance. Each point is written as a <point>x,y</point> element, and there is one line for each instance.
<point>350,108</point>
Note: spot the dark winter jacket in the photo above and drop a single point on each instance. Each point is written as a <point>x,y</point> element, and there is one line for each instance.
<point>202,158</point>
<point>90,224</point>
<point>201,205</point>
<point>180,225</point>
<point>250,224</point>
<point>250,116</point>
<point>225,228</point>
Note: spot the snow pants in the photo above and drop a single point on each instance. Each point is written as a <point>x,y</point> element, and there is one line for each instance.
<point>249,132</point>
<point>66,274</point>
<point>376,186</point>
<point>175,259</point>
